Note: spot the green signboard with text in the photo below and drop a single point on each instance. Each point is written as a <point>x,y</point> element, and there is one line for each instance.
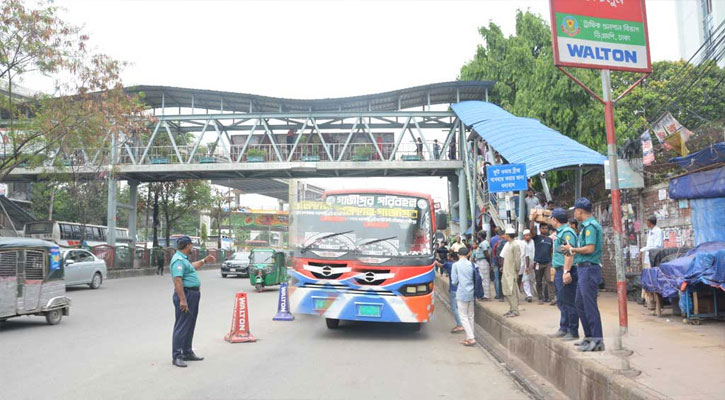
<point>603,34</point>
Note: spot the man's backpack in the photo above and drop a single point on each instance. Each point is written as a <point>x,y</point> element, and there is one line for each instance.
<point>477,283</point>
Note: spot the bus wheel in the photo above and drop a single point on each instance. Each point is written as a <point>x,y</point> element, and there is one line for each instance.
<point>53,317</point>
<point>332,323</point>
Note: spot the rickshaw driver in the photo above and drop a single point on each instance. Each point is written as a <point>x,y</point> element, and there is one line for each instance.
<point>186,301</point>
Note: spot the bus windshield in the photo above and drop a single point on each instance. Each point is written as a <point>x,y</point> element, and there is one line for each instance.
<point>365,224</point>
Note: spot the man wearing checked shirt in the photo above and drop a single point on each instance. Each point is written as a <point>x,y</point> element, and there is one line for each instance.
<point>587,258</point>
<point>186,301</point>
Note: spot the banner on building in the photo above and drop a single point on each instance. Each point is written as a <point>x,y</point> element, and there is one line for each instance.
<point>603,34</point>
<point>672,134</point>
<point>648,155</point>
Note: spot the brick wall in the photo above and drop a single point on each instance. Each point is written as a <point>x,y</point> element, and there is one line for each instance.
<point>673,217</point>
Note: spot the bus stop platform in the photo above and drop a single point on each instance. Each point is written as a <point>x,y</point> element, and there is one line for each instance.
<point>661,357</point>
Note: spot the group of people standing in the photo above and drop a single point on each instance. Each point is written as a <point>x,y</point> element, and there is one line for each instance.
<point>520,267</point>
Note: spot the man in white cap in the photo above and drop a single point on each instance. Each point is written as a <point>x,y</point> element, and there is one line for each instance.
<point>526,273</point>
<point>511,255</point>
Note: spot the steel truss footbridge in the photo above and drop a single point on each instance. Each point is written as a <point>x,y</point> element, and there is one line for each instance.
<point>230,137</point>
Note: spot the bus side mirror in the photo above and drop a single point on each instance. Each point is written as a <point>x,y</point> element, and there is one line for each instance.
<point>441,221</point>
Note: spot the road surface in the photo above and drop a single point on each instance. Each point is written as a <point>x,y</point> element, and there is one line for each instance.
<point>116,344</point>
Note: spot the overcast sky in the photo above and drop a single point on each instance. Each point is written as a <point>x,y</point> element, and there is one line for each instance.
<point>311,49</point>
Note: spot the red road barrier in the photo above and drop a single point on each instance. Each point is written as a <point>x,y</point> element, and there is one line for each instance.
<point>240,321</point>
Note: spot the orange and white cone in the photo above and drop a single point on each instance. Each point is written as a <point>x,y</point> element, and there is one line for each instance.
<point>240,321</point>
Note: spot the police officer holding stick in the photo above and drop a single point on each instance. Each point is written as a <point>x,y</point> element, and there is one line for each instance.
<point>588,260</point>
<point>186,301</point>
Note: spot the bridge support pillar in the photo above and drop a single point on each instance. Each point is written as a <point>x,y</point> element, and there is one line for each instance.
<point>453,197</point>
<point>292,227</point>
<point>133,200</point>
<point>462,201</point>
<point>112,210</point>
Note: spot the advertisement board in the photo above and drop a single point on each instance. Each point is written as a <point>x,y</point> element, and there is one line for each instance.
<point>603,34</point>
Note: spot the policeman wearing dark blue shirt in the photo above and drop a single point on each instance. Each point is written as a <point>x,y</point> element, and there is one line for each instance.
<point>186,301</point>
<point>588,260</point>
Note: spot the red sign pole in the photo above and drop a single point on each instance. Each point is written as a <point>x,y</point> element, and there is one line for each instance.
<point>616,199</point>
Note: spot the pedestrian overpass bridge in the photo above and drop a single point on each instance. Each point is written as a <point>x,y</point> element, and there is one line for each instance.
<point>232,137</point>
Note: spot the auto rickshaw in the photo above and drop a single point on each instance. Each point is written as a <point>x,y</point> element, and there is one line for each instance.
<point>31,280</point>
<point>266,268</point>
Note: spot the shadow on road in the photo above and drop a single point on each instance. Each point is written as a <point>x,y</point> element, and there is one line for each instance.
<point>350,330</point>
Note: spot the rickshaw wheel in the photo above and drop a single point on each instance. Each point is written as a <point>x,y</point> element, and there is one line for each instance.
<point>53,317</point>
<point>259,287</point>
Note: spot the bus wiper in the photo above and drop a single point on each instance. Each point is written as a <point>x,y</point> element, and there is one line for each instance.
<point>377,240</point>
<point>304,249</point>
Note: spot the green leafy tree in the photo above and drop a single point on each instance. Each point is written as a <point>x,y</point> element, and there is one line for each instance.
<point>177,199</point>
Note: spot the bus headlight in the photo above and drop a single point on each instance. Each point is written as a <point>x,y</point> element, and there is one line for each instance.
<point>418,289</point>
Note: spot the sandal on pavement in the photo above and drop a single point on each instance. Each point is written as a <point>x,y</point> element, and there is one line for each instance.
<point>469,343</point>
<point>457,329</point>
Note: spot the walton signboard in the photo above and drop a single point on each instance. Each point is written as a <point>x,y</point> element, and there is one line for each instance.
<point>603,34</point>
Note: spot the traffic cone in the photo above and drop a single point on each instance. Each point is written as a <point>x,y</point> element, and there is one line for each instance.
<point>240,321</point>
<point>283,313</point>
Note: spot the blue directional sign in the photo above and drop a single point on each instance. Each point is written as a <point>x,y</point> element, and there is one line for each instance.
<point>507,178</point>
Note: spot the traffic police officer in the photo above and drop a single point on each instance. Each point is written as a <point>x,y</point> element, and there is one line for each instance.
<point>186,301</point>
<point>565,277</point>
<point>587,258</point>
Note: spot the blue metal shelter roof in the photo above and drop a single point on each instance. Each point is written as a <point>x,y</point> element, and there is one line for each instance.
<point>525,140</point>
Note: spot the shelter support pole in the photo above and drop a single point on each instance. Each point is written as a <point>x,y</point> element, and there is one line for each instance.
<point>545,185</point>
<point>462,201</point>
<point>522,213</point>
<point>616,199</point>
<point>474,187</point>
<point>578,184</point>
<point>133,200</point>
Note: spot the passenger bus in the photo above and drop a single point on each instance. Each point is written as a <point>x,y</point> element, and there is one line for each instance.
<point>364,256</point>
<point>68,234</point>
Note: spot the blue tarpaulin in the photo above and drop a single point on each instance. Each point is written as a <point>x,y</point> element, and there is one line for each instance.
<point>707,268</point>
<point>709,155</point>
<point>667,278</point>
<point>699,185</point>
<point>708,219</point>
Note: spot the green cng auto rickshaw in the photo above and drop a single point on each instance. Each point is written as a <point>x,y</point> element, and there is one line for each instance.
<point>31,280</point>
<point>267,267</point>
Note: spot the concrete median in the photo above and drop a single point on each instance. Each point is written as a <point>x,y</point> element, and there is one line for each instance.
<point>575,375</point>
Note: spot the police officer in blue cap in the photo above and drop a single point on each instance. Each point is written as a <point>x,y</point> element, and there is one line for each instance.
<point>186,301</point>
<point>565,277</point>
<point>588,260</point>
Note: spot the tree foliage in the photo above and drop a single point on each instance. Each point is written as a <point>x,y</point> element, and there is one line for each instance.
<point>89,104</point>
<point>177,199</point>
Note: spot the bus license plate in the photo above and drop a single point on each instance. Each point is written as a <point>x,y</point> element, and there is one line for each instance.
<point>323,303</point>
<point>369,310</point>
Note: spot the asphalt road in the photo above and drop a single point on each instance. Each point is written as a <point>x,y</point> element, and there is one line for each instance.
<point>116,344</point>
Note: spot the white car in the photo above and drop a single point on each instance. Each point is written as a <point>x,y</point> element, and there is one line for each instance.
<point>83,268</point>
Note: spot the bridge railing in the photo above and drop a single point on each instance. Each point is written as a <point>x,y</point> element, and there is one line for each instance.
<point>313,152</point>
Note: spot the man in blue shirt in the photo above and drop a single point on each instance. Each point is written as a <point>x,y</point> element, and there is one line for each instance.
<point>447,266</point>
<point>462,277</point>
<point>542,261</point>
<point>186,301</point>
<point>565,278</point>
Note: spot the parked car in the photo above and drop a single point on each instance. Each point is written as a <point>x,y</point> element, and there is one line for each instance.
<point>83,268</point>
<point>237,264</point>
